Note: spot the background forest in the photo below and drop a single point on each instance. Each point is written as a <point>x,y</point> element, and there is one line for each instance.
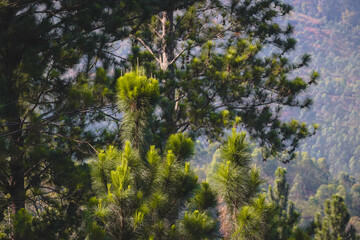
<point>136,119</point>
<point>327,162</point>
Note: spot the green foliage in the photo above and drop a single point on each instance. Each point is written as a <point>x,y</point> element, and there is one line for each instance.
<point>95,232</point>
<point>286,219</point>
<point>335,222</point>
<point>281,189</point>
<point>136,92</point>
<point>143,195</point>
<point>355,197</point>
<point>237,150</point>
<point>58,107</point>
<point>215,74</point>
<point>56,102</point>
<point>253,220</point>
<point>22,223</point>
<point>197,225</point>
<point>137,96</point>
<point>243,213</point>
<point>55,222</point>
<point>332,26</point>
<point>181,146</point>
<point>204,198</point>
<point>145,199</point>
<point>100,169</point>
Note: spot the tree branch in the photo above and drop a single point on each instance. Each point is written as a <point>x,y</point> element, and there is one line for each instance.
<point>178,55</point>
<point>147,47</point>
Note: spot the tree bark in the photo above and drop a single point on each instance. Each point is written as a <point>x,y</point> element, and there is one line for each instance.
<point>17,185</point>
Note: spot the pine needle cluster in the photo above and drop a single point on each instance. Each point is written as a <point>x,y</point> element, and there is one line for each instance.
<point>137,96</point>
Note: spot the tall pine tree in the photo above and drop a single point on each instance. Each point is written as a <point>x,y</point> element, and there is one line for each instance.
<point>213,67</point>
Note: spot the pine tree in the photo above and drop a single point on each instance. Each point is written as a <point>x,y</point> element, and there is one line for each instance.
<point>244,214</point>
<point>213,68</point>
<point>142,196</point>
<point>334,224</point>
<point>355,199</point>
<point>285,221</point>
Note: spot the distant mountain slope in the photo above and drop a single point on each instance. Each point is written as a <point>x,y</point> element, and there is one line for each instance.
<point>334,10</point>
<point>330,31</point>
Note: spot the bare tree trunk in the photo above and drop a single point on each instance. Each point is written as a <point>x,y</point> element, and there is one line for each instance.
<point>225,218</point>
<point>166,59</point>
<point>164,63</point>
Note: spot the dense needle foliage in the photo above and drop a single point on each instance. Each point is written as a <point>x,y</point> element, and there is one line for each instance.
<point>101,103</point>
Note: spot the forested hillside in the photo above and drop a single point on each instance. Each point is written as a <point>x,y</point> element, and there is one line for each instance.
<point>330,32</point>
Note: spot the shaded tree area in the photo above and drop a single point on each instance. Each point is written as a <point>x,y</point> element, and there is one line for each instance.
<point>50,100</point>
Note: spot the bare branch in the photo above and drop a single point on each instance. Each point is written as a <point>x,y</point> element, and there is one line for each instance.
<point>113,54</point>
<point>178,55</point>
<point>156,32</point>
<point>147,47</point>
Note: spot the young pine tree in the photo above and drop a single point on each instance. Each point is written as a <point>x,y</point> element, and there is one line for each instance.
<point>140,192</point>
<point>284,223</point>
<point>244,214</point>
<point>335,223</point>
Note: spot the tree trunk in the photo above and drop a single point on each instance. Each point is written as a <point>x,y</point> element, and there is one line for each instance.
<point>170,52</point>
<point>170,46</point>
<point>16,154</point>
<point>171,55</point>
<point>164,60</point>
<point>17,185</point>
